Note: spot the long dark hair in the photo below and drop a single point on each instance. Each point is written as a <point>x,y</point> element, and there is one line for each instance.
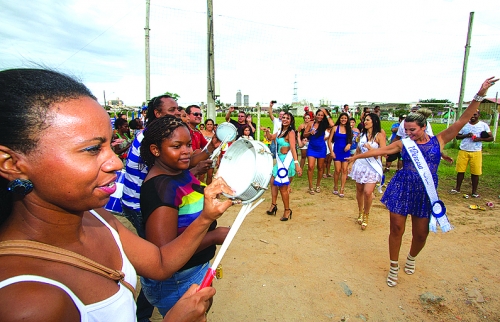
<point>26,99</point>
<point>348,130</point>
<point>376,125</point>
<point>323,125</point>
<point>291,127</point>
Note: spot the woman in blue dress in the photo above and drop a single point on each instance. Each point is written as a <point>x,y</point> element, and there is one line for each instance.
<point>286,164</point>
<point>341,136</point>
<point>315,132</point>
<point>406,194</point>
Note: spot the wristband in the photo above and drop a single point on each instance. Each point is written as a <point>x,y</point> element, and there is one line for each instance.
<point>478,98</point>
<point>296,162</point>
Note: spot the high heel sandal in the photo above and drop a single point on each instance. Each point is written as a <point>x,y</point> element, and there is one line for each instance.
<point>364,224</point>
<point>273,210</point>
<point>341,194</point>
<point>311,191</point>
<point>318,189</point>
<point>392,277</point>
<point>410,265</point>
<point>289,216</point>
<point>360,218</point>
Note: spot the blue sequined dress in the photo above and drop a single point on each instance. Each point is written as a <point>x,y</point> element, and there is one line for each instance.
<point>406,193</point>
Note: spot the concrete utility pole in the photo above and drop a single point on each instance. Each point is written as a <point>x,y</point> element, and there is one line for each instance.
<point>464,69</point>
<point>146,30</point>
<point>210,63</point>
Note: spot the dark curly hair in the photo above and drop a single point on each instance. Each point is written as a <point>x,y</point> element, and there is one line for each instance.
<point>348,130</point>
<point>159,130</point>
<point>26,100</point>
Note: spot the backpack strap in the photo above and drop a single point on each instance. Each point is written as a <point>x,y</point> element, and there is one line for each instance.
<point>38,250</point>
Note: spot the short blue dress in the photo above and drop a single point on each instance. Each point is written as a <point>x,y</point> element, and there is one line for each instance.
<point>317,146</point>
<point>406,194</point>
<point>340,142</point>
<point>291,169</point>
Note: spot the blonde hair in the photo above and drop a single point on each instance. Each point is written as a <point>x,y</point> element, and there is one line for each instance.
<point>420,116</point>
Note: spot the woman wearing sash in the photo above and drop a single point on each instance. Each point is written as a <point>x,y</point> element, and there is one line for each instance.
<point>367,172</point>
<point>286,164</point>
<point>406,194</point>
<point>315,132</point>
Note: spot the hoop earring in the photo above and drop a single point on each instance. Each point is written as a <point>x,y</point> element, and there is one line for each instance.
<point>20,186</point>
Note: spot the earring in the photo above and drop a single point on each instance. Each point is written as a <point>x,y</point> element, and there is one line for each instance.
<point>20,186</point>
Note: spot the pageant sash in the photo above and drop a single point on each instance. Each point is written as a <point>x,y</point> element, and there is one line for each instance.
<point>281,178</point>
<point>438,216</point>
<point>376,164</point>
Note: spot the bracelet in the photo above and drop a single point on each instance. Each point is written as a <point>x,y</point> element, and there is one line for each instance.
<point>296,162</point>
<point>478,98</point>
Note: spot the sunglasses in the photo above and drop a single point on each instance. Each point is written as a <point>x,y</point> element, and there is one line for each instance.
<point>196,114</point>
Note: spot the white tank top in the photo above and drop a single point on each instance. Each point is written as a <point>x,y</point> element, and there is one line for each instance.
<point>119,307</point>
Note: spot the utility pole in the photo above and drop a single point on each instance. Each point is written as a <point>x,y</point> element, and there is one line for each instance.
<point>146,30</point>
<point>464,69</point>
<point>210,63</point>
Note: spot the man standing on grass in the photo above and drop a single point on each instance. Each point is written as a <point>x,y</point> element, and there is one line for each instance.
<point>473,134</point>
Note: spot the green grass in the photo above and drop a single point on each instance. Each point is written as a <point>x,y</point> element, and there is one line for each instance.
<point>488,183</point>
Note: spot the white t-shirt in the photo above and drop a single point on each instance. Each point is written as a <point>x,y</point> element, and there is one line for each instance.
<point>468,144</point>
<point>276,125</point>
<point>401,130</point>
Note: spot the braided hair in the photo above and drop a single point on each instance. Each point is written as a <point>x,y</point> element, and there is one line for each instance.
<point>156,132</point>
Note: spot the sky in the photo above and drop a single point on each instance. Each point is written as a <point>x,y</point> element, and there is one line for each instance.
<point>342,52</point>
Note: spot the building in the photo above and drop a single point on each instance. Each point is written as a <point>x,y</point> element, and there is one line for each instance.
<point>245,100</point>
<point>238,99</point>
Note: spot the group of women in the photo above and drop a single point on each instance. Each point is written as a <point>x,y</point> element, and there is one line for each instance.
<point>45,117</point>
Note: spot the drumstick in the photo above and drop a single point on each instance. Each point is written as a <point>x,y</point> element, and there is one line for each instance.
<point>244,211</point>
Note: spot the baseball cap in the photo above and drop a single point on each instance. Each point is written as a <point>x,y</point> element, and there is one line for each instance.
<point>306,108</point>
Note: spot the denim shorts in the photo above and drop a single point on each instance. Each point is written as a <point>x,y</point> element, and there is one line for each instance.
<point>164,294</point>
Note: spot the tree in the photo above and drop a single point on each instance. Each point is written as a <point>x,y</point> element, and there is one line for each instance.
<point>286,107</point>
<point>441,106</point>
<point>175,96</point>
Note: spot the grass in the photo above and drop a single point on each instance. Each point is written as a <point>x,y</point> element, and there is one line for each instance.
<point>488,182</point>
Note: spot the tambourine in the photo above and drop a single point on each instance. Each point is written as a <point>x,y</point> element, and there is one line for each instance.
<point>247,168</point>
<point>226,132</point>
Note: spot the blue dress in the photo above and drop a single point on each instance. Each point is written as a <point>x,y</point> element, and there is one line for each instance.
<point>317,146</point>
<point>406,193</point>
<point>340,142</point>
<point>291,169</point>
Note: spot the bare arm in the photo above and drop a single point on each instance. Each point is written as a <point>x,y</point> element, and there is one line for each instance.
<point>270,111</point>
<point>160,263</point>
<point>392,148</point>
<point>228,114</point>
<point>451,132</point>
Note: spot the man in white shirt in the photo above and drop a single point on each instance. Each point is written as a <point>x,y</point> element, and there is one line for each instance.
<point>473,134</point>
<point>276,126</point>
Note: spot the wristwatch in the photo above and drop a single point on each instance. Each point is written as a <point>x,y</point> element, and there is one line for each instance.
<point>478,98</point>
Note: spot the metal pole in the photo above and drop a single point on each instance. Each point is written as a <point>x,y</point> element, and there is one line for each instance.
<point>210,63</point>
<point>464,69</point>
<point>496,119</point>
<point>146,30</point>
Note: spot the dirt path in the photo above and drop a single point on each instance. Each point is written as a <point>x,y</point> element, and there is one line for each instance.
<point>321,267</point>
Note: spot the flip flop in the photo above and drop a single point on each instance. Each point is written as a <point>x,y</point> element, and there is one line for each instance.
<point>476,207</point>
<point>466,196</point>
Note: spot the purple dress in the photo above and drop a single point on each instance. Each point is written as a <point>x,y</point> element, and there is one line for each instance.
<point>406,193</point>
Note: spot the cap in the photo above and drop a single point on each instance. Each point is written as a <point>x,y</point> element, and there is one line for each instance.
<point>306,108</point>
